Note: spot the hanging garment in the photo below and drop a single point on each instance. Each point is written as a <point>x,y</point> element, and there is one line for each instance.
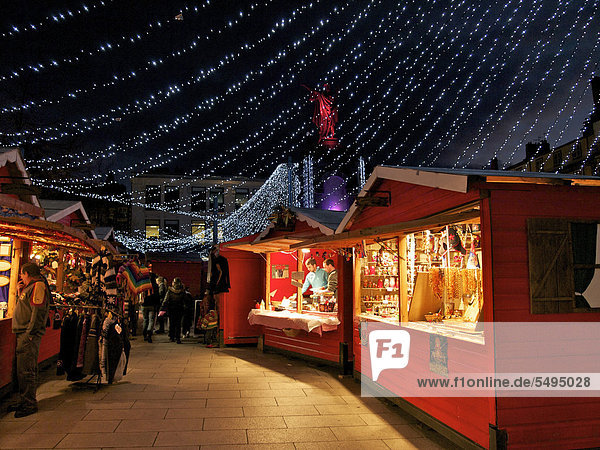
<point>103,346</point>
<point>68,336</point>
<point>74,372</point>
<point>82,341</point>
<point>115,348</point>
<point>91,360</point>
<point>121,367</point>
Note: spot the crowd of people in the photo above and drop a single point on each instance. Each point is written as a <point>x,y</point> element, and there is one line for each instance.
<point>175,305</point>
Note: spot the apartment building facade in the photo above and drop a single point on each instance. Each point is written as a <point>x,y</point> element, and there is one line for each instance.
<point>168,207</point>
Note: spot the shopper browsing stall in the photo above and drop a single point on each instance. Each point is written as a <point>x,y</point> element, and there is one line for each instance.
<point>29,325</point>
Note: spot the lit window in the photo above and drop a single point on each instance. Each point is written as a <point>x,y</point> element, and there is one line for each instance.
<point>198,229</point>
<point>152,228</point>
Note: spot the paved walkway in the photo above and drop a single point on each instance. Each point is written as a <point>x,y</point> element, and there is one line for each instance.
<point>188,396</point>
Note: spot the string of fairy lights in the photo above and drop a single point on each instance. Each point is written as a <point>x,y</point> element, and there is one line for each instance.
<point>450,83</point>
<point>252,217</point>
<point>211,102</point>
<point>98,48</point>
<point>87,124</point>
<point>54,18</point>
<point>543,79</point>
<point>197,42</point>
<point>507,100</point>
<point>210,135</point>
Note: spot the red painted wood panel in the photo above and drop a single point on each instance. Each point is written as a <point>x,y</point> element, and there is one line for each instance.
<point>247,276</point>
<point>410,202</point>
<point>49,347</point>
<point>7,351</point>
<point>324,347</point>
<point>538,422</point>
<point>192,274</point>
<point>283,286</point>
<point>469,416</point>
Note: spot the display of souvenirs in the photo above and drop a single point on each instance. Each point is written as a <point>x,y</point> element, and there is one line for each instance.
<point>453,275</point>
<point>379,280</point>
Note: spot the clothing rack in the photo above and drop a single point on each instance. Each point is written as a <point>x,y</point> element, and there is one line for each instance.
<point>103,309</point>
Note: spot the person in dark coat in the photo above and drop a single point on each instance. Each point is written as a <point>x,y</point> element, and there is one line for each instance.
<point>174,303</point>
<point>150,306</point>
<point>162,291</point>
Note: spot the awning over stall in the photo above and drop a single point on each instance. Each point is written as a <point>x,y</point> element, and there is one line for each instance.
<point>45,232</point>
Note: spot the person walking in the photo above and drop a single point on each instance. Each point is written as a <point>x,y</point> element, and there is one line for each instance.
<point>150,306</point>
<point>29,325</point>
<point>162,291</point>
<point>174,303</point>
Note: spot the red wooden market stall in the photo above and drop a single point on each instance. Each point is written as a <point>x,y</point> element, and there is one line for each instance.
<point>57,248</point>
<point>317,327</point>
<point>443,254</point>
<point>25,238</point>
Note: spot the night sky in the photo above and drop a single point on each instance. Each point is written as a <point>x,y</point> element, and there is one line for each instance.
<point>125,87</point>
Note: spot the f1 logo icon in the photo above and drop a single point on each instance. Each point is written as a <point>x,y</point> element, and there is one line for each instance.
<point>389,349</point>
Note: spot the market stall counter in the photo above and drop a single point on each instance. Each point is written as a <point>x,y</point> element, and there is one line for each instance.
<point>288,320</point>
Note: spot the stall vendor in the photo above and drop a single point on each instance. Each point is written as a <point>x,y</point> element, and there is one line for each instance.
<point>332,276</point>
<point>316,278</point>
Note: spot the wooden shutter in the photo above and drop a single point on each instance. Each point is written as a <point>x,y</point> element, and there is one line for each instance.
<point>551,279</point>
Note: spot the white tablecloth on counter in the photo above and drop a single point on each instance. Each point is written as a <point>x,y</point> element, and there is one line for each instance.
<point>294,320</point>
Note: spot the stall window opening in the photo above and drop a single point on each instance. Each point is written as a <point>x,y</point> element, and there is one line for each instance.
<point>379,279</point>
<point>5,268</point>
<point>152,228</point>
<point>444,277</point>
<point>152,197</point>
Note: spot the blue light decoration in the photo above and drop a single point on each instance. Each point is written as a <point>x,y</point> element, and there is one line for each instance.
<point>309,186</point>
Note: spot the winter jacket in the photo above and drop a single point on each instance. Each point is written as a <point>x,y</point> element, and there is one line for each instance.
<point>175,301</point>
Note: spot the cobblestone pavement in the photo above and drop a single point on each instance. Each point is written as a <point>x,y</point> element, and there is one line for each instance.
<point>188,396</point>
